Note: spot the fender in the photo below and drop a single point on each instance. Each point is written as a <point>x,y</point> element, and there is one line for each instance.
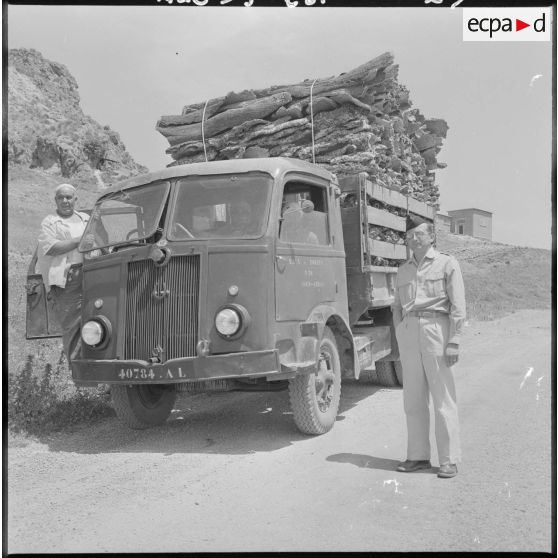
<point>310,333</point>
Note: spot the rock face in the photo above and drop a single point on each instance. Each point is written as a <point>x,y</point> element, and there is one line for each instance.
<point>47,128</point>
<point>362,122</point>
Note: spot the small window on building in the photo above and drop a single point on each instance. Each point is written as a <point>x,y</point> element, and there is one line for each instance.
<point>461,227</point>
<point>482,222</point>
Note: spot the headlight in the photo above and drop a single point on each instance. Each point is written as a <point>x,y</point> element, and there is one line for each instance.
<point>93,333</point>
<point>228,322</point>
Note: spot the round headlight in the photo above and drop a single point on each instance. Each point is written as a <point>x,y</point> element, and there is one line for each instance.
<point>92,333</point>
<point>228,322</point>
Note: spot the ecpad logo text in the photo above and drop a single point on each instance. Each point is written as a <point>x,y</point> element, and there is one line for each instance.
<point>507,24</point>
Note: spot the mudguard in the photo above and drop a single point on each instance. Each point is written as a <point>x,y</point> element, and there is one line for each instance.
<point>304,358</point>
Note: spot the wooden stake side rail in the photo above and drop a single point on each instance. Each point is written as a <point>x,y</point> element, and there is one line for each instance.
<point>387,250</point>
<point>379,268</point>
<point>384,218</point>
<point>385,195</point>
<point>396,199</point>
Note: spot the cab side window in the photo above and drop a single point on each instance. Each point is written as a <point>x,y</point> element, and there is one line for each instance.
<point>304,214</point>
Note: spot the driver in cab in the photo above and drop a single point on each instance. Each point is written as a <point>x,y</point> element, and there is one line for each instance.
<point>242,221</point>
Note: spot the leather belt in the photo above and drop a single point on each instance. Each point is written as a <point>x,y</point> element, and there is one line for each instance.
<point>425,314</point>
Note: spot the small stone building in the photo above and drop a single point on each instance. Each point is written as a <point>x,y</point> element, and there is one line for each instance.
<point>472,222</point>
<point>443,222</point>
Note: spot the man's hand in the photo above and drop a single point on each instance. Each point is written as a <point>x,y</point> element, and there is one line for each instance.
<point>452,353</point>
<point>88,241</point>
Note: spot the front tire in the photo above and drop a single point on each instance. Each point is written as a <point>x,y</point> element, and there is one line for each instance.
<point>140,406</point>
<point>315,397</point>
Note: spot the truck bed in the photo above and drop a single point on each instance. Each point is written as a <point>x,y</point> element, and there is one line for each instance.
<point>370,210</point>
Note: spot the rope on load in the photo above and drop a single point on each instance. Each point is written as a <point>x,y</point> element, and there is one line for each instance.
<point>312,120</point>
<point>203,136</point>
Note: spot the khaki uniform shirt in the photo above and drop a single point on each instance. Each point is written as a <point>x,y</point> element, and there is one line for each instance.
<point>433,284</point>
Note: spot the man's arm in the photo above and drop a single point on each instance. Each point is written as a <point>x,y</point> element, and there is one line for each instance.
<point>63,246</point>
<point>456,295</point>
<point>396,309</point>
<point>455,289</point>
<point>50,242</point>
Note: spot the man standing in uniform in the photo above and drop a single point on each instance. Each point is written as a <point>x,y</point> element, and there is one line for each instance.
<point>59,259</point>
<point>428,316</point>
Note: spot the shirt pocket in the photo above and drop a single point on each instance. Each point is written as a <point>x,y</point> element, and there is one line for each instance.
<point>407,292</point>
<point>434,285</point>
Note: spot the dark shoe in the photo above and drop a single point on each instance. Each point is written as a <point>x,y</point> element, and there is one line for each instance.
<point>447,471</point>
<point>409,466</point>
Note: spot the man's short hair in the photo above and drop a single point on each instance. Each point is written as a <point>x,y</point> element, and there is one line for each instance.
<point>61,186</point>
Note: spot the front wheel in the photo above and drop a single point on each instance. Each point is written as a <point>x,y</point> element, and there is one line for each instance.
<point>143,405</point>
<point>315,397</point>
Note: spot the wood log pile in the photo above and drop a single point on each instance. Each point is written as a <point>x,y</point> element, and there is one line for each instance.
<point>363,121</point>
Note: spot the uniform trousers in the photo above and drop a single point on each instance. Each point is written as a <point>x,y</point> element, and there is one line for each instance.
<point>422,343</point>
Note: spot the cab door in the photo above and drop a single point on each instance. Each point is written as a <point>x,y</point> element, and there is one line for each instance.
<point>304,274</point>
<point>40,318</point>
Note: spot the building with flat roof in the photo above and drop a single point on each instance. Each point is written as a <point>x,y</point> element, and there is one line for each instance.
<point>472,222</point>
<point>443,222</point>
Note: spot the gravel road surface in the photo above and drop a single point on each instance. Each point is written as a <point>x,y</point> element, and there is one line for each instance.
<point>230,472</point>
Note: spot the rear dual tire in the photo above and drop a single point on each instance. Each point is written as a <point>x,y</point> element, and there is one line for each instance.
<point>388,374</point>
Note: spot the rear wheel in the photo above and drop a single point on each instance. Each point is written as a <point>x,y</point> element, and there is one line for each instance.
<point>387,375</point>
<point>144,405</point>
<point>398,371</point>
<point>315,397</point>
<point>368,376</point>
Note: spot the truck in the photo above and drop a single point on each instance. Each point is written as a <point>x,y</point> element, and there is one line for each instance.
<point>177,298</point>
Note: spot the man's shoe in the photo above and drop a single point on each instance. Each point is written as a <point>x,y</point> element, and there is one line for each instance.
<point>409,466</point>
<point>447,471</point>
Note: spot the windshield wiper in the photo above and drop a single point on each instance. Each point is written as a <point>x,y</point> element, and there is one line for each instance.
<point>116,247</point>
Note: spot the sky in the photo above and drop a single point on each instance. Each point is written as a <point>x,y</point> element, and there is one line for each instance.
<point>134,64</point>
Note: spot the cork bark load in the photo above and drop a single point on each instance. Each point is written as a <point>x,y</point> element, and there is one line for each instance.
<point>363,122</point>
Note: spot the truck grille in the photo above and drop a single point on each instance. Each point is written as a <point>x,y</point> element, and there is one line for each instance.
<point>162,309</point>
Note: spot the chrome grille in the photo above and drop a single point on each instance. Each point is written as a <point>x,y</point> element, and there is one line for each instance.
<point>162,309</point>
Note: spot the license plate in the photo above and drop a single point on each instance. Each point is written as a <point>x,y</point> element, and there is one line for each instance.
<point>151,374</point>
<point>137,374</point>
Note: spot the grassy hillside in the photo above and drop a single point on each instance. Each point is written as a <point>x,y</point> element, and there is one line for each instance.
<point>500,278</point>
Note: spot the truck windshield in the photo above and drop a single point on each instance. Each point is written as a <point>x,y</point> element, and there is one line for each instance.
<point>127,216</point>
<point>221,206</point>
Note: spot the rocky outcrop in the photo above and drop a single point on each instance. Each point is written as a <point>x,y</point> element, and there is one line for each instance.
<point>359,121</point>
<point>47,128</point>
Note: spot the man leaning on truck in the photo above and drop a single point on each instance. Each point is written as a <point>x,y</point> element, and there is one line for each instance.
<point>59,259</point>
<point>428,315</point>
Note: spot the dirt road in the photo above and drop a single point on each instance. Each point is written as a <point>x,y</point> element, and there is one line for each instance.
<point>230,472</point>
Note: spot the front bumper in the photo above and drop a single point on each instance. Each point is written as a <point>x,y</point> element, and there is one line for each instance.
<point>252,364</point>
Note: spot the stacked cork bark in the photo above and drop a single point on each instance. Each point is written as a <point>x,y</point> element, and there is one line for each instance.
<point>362,123</point>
